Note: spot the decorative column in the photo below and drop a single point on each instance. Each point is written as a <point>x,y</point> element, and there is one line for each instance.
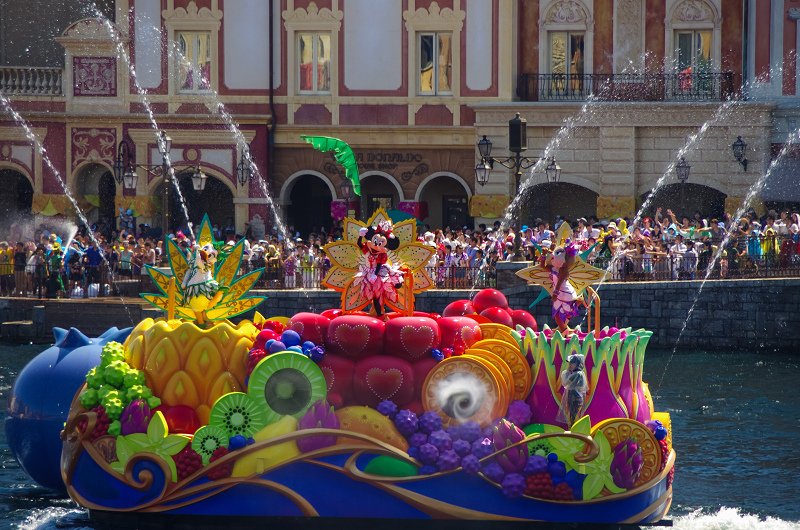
<point>794,14</point>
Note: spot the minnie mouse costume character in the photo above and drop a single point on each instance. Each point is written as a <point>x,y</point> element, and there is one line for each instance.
<point>377,278</point>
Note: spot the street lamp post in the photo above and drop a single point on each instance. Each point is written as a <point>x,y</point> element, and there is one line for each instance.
<point>739,149</point>
<point>682,170</point>
<point>347,189</point>
<point>125,170</point>
<point>517,143</point>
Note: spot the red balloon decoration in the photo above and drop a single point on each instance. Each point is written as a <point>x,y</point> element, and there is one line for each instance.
<point>310,326</point>
<point>459,308</point>
<point>355,336</point>
<point>498,315</point>
<point>524,319</point>
<point>487,298</point>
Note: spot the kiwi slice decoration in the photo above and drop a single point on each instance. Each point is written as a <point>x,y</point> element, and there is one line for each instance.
<point>207,440</point>
<point>238,413</point>
<point>287,383</point>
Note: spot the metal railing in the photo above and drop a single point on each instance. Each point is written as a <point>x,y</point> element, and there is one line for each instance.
<point>746,257</point>
<point>29,81</point>
<point>711,86</point>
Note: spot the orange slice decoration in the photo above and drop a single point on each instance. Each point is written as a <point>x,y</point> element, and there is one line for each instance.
<point>497,331</point>
<point>465,388</point>
<point>520,370</point>
<point>617,430</point>
<point>498,363</point>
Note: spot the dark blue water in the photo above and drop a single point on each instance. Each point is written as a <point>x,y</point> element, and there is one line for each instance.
<point>736,422</point>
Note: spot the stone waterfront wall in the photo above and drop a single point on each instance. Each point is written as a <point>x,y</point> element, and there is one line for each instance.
<point>729,314</point>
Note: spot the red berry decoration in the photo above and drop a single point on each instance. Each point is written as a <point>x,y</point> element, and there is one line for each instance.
<point>187,461</point>
<point>220,472</point>
<point>253,358</point>
<point>100,426</point>
<point>540,485</point>
<point>664,456</point>
<point>563,492</point>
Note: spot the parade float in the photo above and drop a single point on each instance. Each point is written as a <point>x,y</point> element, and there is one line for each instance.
<point>473,414</point>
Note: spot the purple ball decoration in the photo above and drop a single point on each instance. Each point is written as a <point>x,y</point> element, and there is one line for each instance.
<point>413,452</point>
<point>428,470</point>
<point>470,431</point>
<point>418,439</point>
<point>513,485</point>
<point>482,447</point>
<point>277,346</point>
<point>406,422</point>
<point>441,440</point>
<point>430,422</point>
<point>316,354</point>
<point>471,465</point>
<point>388,408</point>
<point>494,472</point>
<point>428,454</point>
<point>448,460</point>
<point>488,431</point>
<point>462,448</point>
<point>455,432</point>
<point>291,338</point>
<point>536,464</point>
<point>557,469</point>
<point>519,413</point>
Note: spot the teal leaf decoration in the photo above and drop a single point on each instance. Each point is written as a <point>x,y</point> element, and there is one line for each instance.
<point>342,153</point>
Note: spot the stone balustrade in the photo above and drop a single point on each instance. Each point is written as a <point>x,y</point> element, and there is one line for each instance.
<point>28,81</point>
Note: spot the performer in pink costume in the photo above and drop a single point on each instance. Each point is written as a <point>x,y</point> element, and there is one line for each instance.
<point>377,278</point>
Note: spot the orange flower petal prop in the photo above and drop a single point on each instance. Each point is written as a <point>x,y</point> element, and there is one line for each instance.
<point>346,258</point>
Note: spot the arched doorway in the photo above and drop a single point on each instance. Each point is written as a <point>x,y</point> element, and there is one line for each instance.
<point>97,184</point>
<point>448,203</point>
<point>309,207</point>
<point>16,199</point>
<point>216,200</point>
<point>377,192</point>
<point>686,199</point>
<point>546,201</point>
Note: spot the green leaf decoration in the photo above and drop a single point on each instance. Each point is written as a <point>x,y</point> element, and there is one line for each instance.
<point>342,153</point>
<point>156,441</point>
<point>598,470</point>
<point>582,426</point>
<point>157,428</point>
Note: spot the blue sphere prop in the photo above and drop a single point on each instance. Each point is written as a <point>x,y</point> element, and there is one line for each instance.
<point>39,401</point>
<point>291,338</point>
<point>276,347</point>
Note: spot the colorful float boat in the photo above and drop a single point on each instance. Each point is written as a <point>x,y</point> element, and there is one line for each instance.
<point>474,414</point>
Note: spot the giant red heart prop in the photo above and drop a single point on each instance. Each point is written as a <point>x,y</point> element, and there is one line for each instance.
<point>384,384</point>
<point>338,373</point>
<point>310,326</point>
<point>355,336</point>
<point>411,338</point>
<point>380,377</point>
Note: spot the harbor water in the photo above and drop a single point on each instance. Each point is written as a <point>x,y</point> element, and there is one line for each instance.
<point>735,416</point>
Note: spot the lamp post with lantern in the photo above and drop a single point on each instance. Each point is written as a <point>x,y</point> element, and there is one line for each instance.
<point>125,170</point>
<point>682,170</point>
<point>517,144</point>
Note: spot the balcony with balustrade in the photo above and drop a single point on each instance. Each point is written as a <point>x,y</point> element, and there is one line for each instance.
<point>24,81</point>
<point>677,87</point>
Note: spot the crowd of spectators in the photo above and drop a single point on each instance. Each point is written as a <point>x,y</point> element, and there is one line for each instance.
<point>661,247</point>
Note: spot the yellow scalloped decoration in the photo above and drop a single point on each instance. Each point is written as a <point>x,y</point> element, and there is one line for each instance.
<point>618,430</point>
<point>515,360</point>
<point>187,365</point>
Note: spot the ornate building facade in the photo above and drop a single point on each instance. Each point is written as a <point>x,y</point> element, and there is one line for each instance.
<point>411,85</point>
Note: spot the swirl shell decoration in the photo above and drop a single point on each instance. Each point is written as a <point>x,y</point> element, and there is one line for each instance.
<point>346,257</point>
<point>614,367</point>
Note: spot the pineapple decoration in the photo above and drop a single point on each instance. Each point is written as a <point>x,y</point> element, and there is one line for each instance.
<point>204,287</point>
<point>351,271</point>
